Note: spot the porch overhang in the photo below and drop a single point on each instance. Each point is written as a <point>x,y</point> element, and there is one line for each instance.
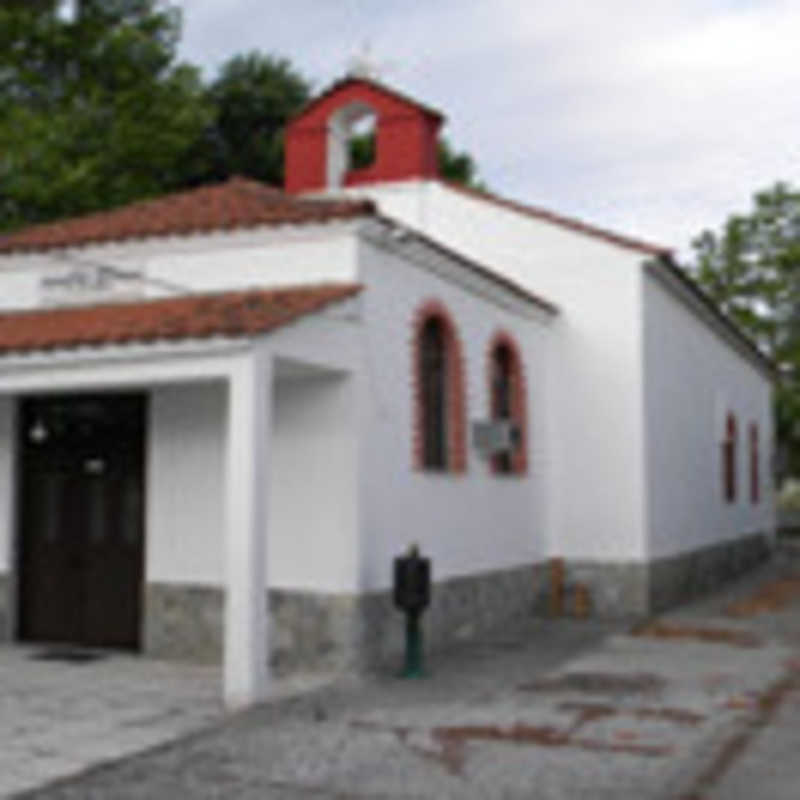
<point>247,365</point>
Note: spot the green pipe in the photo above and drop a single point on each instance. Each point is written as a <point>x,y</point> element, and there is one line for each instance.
<point>413,667</point>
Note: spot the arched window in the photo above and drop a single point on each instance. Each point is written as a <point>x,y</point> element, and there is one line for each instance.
<point>755,477</point>
<point>508,401</point>
<point>433,380</point>
<point>729,459</point>
<point>352,141</point>
<point>440,414</point>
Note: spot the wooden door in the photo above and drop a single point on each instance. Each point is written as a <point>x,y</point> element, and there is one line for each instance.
<point>81,521</point>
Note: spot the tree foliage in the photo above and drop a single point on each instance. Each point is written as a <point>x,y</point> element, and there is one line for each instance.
<point>254,96</point>
<point>751,268</point>
<point>458,166</point>
<point>93,111</point>
<point>96,111</point>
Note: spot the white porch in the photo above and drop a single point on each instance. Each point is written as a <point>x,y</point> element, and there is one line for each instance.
<point>263,398</point>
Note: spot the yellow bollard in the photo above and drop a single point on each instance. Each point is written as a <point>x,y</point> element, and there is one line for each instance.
<point>583,601</point>
<point>556,587</point>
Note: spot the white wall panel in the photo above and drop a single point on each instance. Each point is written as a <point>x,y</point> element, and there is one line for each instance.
<point>185,484</point>
<point>693,379</point>
<point>212,262</point>
<point>312,534</point>
<point>471,522</point>
<point>597,437</point>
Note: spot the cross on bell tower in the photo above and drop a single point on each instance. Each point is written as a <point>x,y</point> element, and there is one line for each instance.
<point>362,65</point>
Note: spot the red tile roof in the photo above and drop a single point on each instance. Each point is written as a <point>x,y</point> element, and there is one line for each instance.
<point>240,313</point>
<point>237,203</point>
<point>576,225</point>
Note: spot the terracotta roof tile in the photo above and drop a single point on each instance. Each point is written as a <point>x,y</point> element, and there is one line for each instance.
<point>240,313</point>
<point>237,203</point>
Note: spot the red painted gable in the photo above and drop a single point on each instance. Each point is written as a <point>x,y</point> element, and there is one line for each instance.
<point>406,137</point>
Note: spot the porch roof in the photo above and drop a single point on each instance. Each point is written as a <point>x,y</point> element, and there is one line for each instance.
<point>237,313</point>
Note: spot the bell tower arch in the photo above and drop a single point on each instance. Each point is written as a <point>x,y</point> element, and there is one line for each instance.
<point>318,139</point>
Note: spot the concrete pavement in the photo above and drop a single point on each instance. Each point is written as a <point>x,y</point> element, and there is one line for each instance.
<point>670,708</point>
<point>59,718</point>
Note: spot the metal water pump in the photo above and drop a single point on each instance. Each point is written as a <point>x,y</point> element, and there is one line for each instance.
<point>412,595</point>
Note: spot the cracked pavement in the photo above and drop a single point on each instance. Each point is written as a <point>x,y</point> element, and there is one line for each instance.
<point>691,705</point>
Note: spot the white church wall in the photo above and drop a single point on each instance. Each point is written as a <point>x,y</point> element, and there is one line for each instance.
<point>471,522</point>
<point>317,255</point>
<point>20,286</point>
<point>266,257</point>
<point>185,485</point>
<point>312,529</point>
<point>311,533</point>
<point>693,379</point>
<point>596,446</point>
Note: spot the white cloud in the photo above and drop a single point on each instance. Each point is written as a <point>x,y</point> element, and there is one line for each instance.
<point>659,117</point>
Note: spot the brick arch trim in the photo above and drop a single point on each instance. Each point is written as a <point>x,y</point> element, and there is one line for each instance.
<point>456,401</point>
<point>519,397</point>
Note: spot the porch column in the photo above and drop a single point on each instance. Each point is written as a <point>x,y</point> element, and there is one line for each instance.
<point>249,427</point>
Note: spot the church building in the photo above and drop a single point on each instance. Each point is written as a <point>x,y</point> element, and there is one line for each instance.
<point>223,413</point>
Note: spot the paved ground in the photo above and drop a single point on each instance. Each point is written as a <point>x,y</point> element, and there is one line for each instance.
<point>697,704</point>
<point>60,718</point>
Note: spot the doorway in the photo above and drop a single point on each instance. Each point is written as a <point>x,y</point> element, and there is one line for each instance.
<point>81,519</point>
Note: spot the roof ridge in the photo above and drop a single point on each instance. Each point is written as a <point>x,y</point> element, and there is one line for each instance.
<point>340,83</point>
<point>573,223</point>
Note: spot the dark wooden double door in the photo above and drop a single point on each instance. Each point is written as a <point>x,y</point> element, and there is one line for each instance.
<point>81,519</point>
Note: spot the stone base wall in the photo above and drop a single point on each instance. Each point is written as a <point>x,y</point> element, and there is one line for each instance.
<point>461,609</point>
<point>364,632</point>
<point>183,622</point>
<point>6,623</point>
<point>616,590</point>
<point>311,630</point>
<point>680,578</point>
<point>640,588</point>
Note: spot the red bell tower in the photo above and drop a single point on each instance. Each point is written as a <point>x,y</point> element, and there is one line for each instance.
<point>317,139</point>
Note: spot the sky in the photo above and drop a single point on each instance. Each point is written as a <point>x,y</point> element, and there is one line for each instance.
<point>656,118</point>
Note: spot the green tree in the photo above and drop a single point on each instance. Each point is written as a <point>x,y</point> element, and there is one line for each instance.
<point>94,111</point>
<point>458,166</point>
<point>751,268</point>
<point>253,96</point>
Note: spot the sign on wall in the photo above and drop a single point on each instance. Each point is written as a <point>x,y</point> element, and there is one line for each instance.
<point>90,284</point>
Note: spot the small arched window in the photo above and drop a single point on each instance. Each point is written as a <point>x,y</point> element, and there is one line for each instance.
<point>508,401</point>
<point>352,142</point>
<point>440,414</point>
<point>729,459</point>
<point>755,477</point>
